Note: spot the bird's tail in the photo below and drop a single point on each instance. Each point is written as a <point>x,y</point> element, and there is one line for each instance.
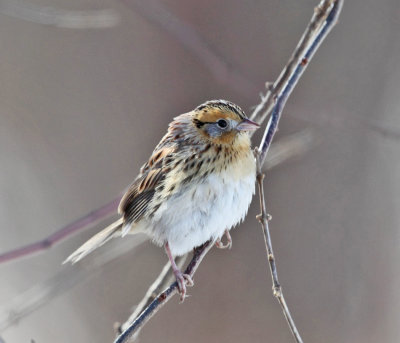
<point>96,241</point>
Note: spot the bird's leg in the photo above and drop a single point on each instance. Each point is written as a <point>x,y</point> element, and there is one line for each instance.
<point>183,280</point>
<point>228,244</point>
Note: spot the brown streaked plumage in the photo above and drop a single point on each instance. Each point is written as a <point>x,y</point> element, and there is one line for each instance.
<point>197,184</point>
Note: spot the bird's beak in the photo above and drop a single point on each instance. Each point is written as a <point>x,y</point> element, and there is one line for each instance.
<point>247,125</point>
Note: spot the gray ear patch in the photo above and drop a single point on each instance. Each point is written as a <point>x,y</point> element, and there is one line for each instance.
<point>218,128</point>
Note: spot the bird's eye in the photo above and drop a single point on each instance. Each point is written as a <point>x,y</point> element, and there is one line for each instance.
<point>222,123</point>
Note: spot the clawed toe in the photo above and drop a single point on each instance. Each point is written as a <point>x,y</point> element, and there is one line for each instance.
<point>188,280</point>
<point>183,280</point>
<point>220,245</point>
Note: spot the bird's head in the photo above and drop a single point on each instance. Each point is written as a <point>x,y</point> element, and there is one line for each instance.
<point>221,122</point>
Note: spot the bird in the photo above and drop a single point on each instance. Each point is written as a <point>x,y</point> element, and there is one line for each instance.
<point>197,184</point>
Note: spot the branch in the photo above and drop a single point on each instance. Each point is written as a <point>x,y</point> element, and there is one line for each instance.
<point>276,287</point>
<point>163,297</point>
<point>161,282</point>
<point>324,18</point>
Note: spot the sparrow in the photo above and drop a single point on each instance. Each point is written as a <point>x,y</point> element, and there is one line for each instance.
<point>196,186</point>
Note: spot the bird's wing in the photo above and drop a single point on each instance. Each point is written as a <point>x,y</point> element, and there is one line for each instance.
<point>137,198</point>
<point>135,203</point>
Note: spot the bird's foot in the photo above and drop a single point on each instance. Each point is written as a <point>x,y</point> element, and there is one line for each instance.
<point>183,280</point>
<point>220,245</point>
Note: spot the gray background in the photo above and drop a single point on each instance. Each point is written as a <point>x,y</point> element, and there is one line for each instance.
<point>81,110</point>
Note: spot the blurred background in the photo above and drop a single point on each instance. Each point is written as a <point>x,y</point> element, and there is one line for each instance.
<point>87,90</point>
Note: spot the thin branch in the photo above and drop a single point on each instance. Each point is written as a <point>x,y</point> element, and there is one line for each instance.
<point>163,297</point>
<point>89,219</point>
<point>161,282</point>
<point>324,18</point>
<point>264,218</point>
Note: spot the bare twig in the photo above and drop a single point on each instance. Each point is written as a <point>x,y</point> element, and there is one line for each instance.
<point>264,218</point>
<point>324,18</point>
<point>163,280</point>
<point>163,297</point>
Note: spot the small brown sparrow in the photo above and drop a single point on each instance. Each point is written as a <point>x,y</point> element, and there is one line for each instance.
<point>196,186</point>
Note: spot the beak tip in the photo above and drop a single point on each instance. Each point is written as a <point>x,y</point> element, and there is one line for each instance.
<point>247,125</point>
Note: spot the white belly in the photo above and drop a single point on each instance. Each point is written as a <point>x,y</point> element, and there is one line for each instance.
<point>203,212</point>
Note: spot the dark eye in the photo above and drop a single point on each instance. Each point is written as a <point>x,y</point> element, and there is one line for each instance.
<point>222,123</point>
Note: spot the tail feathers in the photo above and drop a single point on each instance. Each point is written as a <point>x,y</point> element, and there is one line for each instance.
<point>96,241</point>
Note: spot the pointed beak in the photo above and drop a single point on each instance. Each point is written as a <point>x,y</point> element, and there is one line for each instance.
<point>247,125</point>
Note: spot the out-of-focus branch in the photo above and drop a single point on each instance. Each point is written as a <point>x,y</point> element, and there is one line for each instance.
<point>45,15</point>
<point>88,220</point>
<point>36,296</point>
<point>156,13</point>
<point>324,18</point>
<point>289,147</point>
<point>164,296</point>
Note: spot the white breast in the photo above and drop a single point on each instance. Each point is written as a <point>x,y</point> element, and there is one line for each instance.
<point>204,211</point>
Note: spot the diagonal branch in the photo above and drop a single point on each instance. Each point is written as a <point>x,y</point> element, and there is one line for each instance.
<point>164,296</point>
<point>324,18</point>
<point>162,281</point>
